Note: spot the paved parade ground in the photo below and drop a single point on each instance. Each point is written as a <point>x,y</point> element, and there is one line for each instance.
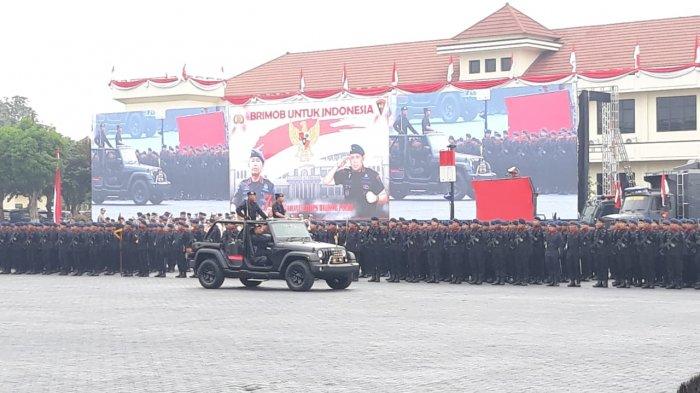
<point>93,334</point>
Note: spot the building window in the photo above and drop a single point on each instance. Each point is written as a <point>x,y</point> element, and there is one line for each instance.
<point>490,65</point>
<point>474,66</point>
<point>626,116</point>
<point>599,184</point>
<point>506,63</point>
<point>676,113</point>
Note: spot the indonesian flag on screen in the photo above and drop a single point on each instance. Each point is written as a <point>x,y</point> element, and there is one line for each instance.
<point>618,195</point>
<point>664,190</point>
<point>57,198</point>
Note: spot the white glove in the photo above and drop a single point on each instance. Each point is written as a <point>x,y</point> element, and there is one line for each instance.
<point>371,197</point>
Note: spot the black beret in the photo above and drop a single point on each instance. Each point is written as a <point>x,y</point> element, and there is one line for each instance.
<point>279,195</point>
<point>357,149</point>
<point>374,219</point>
<point>414,221</point>
<point>255,153</point>
<point>250,193</point>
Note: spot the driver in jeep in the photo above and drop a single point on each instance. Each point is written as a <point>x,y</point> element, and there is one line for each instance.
<point>259,239</point>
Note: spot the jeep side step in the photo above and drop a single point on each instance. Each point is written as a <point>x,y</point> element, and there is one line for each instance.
<point>253,275</point>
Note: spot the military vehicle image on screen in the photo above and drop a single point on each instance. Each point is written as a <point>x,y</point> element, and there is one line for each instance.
<point>117,174</point>
<point>257,251</point>
<point>415,167</point>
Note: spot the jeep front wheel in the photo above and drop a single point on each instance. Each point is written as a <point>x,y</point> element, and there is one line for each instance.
<point>299,276</point>
<point>340,282</point>
<point>139,192</point>
<point>250,283</point>
<point>210,274</point>
<point>157,198</point>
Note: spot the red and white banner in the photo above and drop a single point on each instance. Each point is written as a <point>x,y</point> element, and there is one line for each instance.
<point>57,197</point>
<point>448,170</point>
<point>329,157</point>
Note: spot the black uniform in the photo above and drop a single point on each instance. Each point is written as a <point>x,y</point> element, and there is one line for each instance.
<point>250,211</point>
<point>356,185</point>
<point>402,125</point>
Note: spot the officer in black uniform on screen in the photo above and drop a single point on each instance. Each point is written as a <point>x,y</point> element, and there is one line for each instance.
<point>362,186</point>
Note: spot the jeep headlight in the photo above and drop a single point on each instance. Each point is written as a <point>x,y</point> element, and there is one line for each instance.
<point>320,254</point>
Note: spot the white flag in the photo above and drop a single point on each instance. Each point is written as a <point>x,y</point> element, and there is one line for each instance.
<point>697,50</point>
<point>636,56</point>
<point>302,83</point>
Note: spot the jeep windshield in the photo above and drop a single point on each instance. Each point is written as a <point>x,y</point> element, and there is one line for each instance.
<point>636,204</point>
<point>438,142</point>
<point>129,156</point>
<point>289,231</point>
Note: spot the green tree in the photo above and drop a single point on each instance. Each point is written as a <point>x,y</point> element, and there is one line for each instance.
<point>13,110</point>
<point>29,150</point>
<point>76,176</point>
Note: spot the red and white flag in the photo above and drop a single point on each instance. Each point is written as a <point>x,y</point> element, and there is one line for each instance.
<point>345,79</point>
<point>184,72</point>
<point>572,60</point>
<point>450,70</point>
<point>618,195</point>
<point>664,190</point>
<point>302,83</point>
<point>697,49</point>
<point>635,55</point>
<point>394,76</point>
<point>57,198</point>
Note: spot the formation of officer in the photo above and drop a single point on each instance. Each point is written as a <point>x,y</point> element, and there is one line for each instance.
<point>136,248</point>
<point>623,254</point>
<point>636,253</point>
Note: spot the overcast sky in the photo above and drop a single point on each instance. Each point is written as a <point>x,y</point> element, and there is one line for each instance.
<point>60,53</point>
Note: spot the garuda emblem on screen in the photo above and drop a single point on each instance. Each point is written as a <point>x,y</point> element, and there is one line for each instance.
<point>304,138</point>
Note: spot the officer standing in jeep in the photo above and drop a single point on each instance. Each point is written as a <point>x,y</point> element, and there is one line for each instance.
<point>361,186</point>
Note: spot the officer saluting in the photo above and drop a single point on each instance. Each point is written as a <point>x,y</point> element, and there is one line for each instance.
<point>249,209</point>
<point>362,186</point>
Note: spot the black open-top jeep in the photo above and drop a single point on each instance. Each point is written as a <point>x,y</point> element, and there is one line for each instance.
<point>280,250</point>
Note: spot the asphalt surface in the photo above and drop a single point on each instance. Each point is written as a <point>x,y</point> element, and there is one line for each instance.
<point>88,334</point>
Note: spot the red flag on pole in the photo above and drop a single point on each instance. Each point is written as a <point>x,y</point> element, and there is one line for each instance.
<point>57,198</point>
<point>618,195</point>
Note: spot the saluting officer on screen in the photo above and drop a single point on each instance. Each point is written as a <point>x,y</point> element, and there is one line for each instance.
<point>361,186</point>
<point>249,209</point>
<point>402,125</point>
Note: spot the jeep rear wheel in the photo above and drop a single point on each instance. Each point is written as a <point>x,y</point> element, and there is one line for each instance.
<point>340,282</point>
<point>299,276</point>
<point>250,283</point>
<point>210,274</point>
<point>139,192</point>
<point>98,198</point>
